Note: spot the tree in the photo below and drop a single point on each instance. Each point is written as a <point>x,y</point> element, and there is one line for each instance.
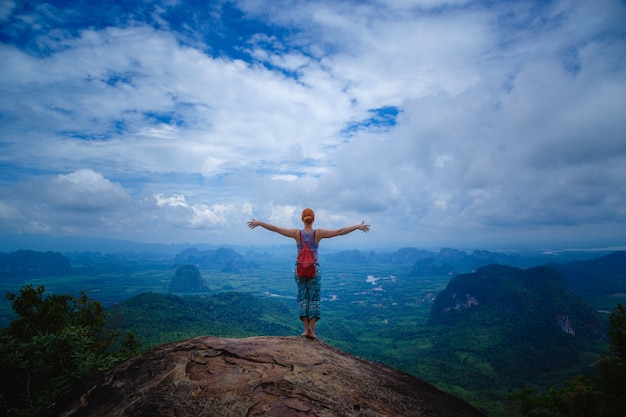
<point>612,382</point>
<point>617,334</point>
<point>54,342</point>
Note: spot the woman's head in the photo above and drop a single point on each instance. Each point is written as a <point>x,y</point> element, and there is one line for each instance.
<point>308,216</point>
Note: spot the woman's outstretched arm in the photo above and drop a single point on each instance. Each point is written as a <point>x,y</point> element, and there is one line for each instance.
<point>280,230</point>
<point>325,234</point>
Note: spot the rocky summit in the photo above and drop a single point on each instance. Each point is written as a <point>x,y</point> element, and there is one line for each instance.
<point>257,376</point>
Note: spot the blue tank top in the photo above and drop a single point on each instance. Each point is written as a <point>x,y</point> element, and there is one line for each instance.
<point>307,237</point>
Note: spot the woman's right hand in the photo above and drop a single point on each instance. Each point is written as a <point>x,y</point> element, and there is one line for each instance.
<point>364,227</point>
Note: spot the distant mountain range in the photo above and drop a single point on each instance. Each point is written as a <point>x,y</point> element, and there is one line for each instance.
<point>229,259</point>
<point>450,261</point>
<point>24,263</point>
<point>601,281</point>
<point>43,243</point>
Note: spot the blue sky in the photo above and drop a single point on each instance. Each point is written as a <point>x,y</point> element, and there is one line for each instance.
<point>469,124</point>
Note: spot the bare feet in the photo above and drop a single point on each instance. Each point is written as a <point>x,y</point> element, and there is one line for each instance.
<point>308,333</point>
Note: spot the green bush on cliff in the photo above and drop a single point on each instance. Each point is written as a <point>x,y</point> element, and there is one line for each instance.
<point>54,342</point>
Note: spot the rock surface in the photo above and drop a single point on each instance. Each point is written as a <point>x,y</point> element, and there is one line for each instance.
<point>258,376</point>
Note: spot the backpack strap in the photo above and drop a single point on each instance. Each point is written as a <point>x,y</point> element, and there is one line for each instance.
<point>303,242</point>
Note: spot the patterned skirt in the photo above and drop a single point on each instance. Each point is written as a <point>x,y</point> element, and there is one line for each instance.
<point>309,295</point>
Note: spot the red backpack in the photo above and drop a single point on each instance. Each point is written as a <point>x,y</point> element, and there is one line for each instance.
<point>305,264</point>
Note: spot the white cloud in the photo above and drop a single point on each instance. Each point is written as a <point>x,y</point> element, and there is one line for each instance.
<point>78,202</point>
<point>173,201</point>
<point>208,217</point>
<point>85,190</point>
<point>510,118</point>
<point>192,216</point>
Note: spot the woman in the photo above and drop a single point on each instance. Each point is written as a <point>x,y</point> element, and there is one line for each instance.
<point>309,289</point>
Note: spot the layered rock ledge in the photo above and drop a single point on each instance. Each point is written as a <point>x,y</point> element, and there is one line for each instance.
<point>257,376</point>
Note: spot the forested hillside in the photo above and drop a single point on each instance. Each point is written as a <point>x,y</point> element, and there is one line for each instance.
<point>504,328</point>
<point>161,318</point>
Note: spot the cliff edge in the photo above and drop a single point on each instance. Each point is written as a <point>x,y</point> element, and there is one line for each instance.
<point>257,376</point>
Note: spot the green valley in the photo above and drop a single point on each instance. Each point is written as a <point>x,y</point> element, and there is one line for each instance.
<point>377,306</point>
